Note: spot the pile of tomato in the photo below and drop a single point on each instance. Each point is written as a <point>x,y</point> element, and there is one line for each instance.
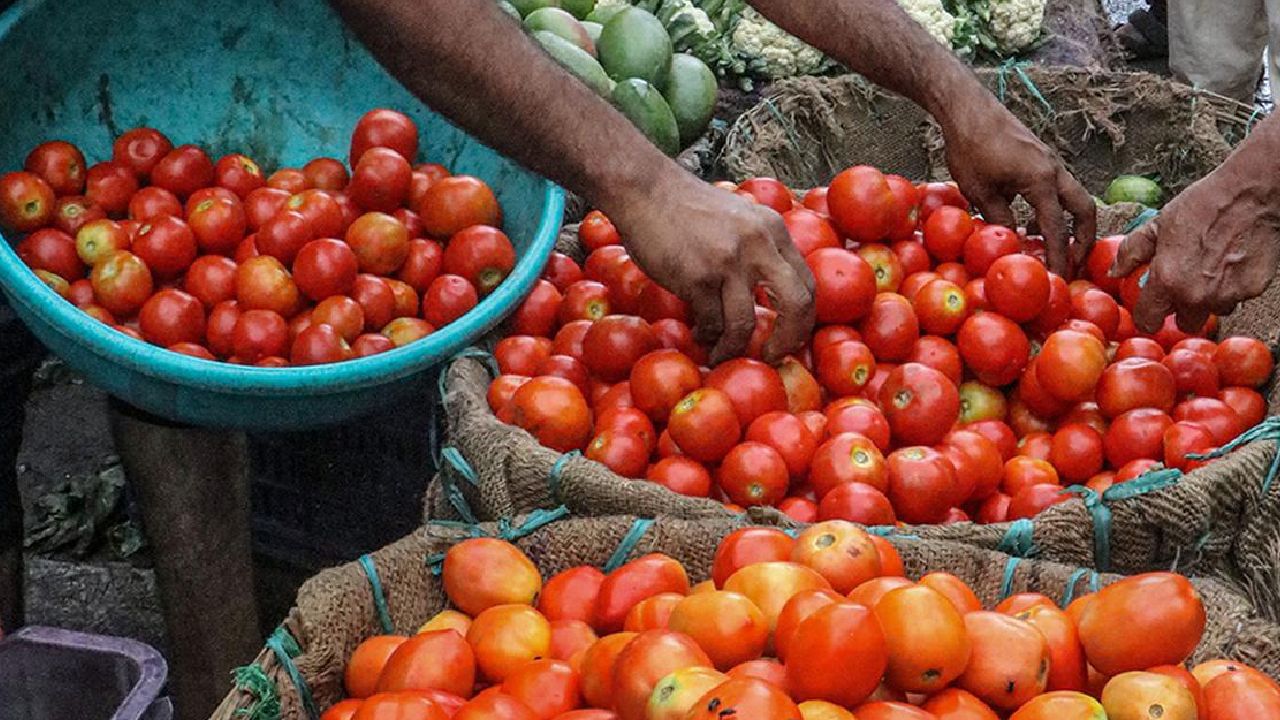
<point>217,261</point>
<point>820,627</point>
<point>951,375</point>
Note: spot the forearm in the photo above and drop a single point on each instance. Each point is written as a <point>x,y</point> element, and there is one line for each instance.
<point>877,39</point>
<point>471,63</point>
<point>1250,170</point>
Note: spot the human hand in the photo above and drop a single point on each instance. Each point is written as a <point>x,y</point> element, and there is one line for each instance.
<point>993,158</point>
<point>712,248</point>
<point>1213,246</point>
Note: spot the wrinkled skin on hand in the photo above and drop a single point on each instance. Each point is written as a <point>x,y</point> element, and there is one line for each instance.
<point>994,158</point>
<point>1213,246</point>
<point>712,248</point>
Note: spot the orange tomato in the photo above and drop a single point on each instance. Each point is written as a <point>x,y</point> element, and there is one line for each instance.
<point>955,589</point>
<point>1063,705</point>
<point>344,710</point>
<point>1145,695</point>
<point>771,584</point>
<point>548,687</point>
<point>399,706</point>
<point>597,668</point>
<point>957,704</point>
<point>766,669</point>
<point>588,715</point>
<point>840,551</point>
<point>844,659</point>
<point>507,636</point>
<point>1018,602</point>
<point>674,695</point>
<point>823,710</point>
<point>650,657</point>
<point>1010,660</point>
<point>639,579</point>
<point>886,710</point>
<point>926,638</point>
<point>800,606</point>
<point>745,699</point>
<point>744,547</point>
<point>1184,678</point>
<point>447,620</point>
<point>569,637</point>
<point>726,625</point>
<point>480,573</point>
<point>493,704</point>
<point>1206,672</point>
<point>890,560</point>
<point>571,595</point>
<point>651,613</point>
<point>1067,667</point>
<point>869,593</point>
<point>435,660</point>
<point>1241,696</point>
<point>1140,622</point>
<point>361,675</point>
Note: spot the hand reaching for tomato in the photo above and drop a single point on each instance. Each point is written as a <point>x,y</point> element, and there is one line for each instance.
<point>1213,246</point>
<point>993,158</point>
<point>713,248</point>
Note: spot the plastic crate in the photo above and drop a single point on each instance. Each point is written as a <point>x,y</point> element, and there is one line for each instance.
<point>53,674</point>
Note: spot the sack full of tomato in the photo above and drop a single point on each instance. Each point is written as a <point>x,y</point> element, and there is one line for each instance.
<point>645,619</point>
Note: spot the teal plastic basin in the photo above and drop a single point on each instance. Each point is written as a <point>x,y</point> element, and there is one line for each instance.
<point>282,81</point>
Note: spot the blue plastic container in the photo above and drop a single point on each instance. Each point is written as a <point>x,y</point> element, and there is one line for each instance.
<point>282,81</point>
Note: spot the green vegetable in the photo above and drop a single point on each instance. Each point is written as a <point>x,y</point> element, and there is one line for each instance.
<point>999,28</point>
<point>580,8</point>
<point>527,6</point>
<point>593,30</point>
<point>560,22</point>
<point>648,111</point>
<point>576,60</point>
<point>634,44</point>
<point>691,93</point>
<point>605,11</point>
<point>1134,188</point>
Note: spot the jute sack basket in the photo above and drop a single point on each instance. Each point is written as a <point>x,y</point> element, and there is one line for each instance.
<point>395,591</point>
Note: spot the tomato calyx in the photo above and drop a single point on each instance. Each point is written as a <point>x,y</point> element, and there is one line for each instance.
<point>903,398</point>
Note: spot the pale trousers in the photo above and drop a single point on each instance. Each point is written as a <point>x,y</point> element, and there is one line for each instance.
<point>1218,45</point>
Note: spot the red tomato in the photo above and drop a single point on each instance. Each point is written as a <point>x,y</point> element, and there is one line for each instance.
<point>945,231</point>
<point>912,255</point>
<point>262,283</point>
<point>1077,452</point>
<point>907,207</point>
<point>521,354</point>
<point>483,255</point>
<point>890,329</point>
<point>1247,403</point>
<point>597,231</point>
<point>622,452</point>
<point>211,279</point>
<point>109,186</point>
<point>121,283</point>
<point>150,202</point>
<point>857,502</point>
<point>1099,308</point>
<point>922,484</point>
<point>239,174</point>
<point>1070,365</point>
<point>183,170</point>
<point>937,194</point>
<point>846,367</point>
<point>752,386</point>
<point>859,416</point>
<point>952,271</point>
<point>263,204</point>
<point>1183,438</point>
<point>60,164</point>
<point>845,285</point>
<point>342,314</point>
<point>614,343</point>
<point>170,317</point>
<point>941,307</point>
<point>56,252</point>
<point>325,173</point>
<point>785,433</point>
<point>1056,312</point>
<point>844,660</point>
<point>562,271</point>
<point>320,210</point>
<point>816,200</point>
<point>1018,287</point>
<point>220,327</point>
<point>987,244</point>
<point>319,344</point>
<point>994,348</point>
<point>140,149</point>
<point>283,236</point>
<point>770,193</point>
<point>1194,373</point>
<point>384,128</point>
<point>290,180</point>
<point>657,303</point>
<point>1243,361</point>
<point>69,213</point>
<point>810,230</point>
<point>982,459</point>
<point>749,546</point>
<point>681,475</point>
<point>325,267</point>
<point>380,181</point>
<point>457,202</point>
<point>554,411</point>
<point>259,334</point>
<point>660,379</point>
<point>218,224</point>
<point>584,300</point>
<point>1136,434</point>
<point>705,425</point>
<point>191,349</point>
<point>847,457</point>
<point>537,314</point>
<point>380,242</point>
<point>920,403</point>
<point>753,473</point>
<point>1031,500</point>
<point>886,266</point>
<point>630,421</point>
<point>1215,415</point>
<point>1135,382</point>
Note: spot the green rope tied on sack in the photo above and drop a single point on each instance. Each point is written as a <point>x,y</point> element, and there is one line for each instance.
<point>1017,540</point>
<point>1097,505</point>
<point>285,648</point>
<point>459,502</point>
<point>533,521</point>
<point>1019,67</point>
<point>557,471</point>
<point>1006,584</point>
<point>1070,593</point>
<point>379,597</point>
<point>1268,429</point>
<point>433,429</point>
<point>253,680</point>
<point>1142,218</point>
<point>786,123</point>
<point>628,543</point>
<point>890,531</point>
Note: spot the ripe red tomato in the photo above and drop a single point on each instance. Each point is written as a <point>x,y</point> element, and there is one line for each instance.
<point>290,180</point>
<point>993,347</point>
<point>987,244</point>
<point>262,283</point>
<point>167,245</point>
<point>262,204</point>
<point>907,207</point>
<point>457,202</point>
<point>945,231</point>
<point>1034,499</point>
<point>952,271</point>
<point>140,149</point>
<point>1215,415</point>
<point>785,433</point>
<point>326,173</point>
<point>183,170</point>
<point>941,307</point>
<point>239,174</point>
<point>422,264</point>
<point>1183,438</point>
<point>915,282</point>
<point>405,330</point>
<point>325,267</point>
<point>937,194</point>
<point>121,283</point>
<point>69,213</point>
<point>622,452</point>
<point>319,344</point>
<point>857,502</point>
<point>384,128</point>
<point>681,475</point>
<point>562,271</point>
<point>371,344</point>
<point>380,181</point>
<point>614,343</point>
<point>860,416</point>
<point>1247,403</point>
<point>597,231</point>
<point>846,367</point>
<point>816,200</point>
<point>342,314</point>
<point>845,285</point>
<point>748,546</point>
<point>1136,434</point>
<point>191,349</point>
<point>220,327</point>
<point>660,379</point>
<point>922,484</point>
<point>56,252</point>
<point>259,334</point>
<point>885,264</point>
<point>754,388</point>
<point>810,230</point>
<point>891,328</point>
<point>753,473</point>
<point>380,243</point>
<point>1194,373</point>
<point>1243,361</point>
<point>152,201</point>
<point>321,211</point>
<point>1025,471</point>
<point>863,205</point>
<point>170,317</point>
<point>60,164</point>
<point>218,224</point>
<point>1070,364</point>
<point>982,459</point>
<point>481,254</point>
<point>845,458</point>
<point>1018,287</point>
<point>1135,382</point>
<point>1077,452</point>
<point>912,255</point>
<point>521,354</point>
<point>211,279</point>
<point>554,411</point>
<point>537,314</point>
<point>283,235</point>
<point>110,186</point>
<point>770,193</point>
<point>705,424</point>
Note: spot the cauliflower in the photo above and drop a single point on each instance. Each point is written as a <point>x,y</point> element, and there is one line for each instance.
<point>770,52</point>
<point>933,17</point>
<point>1016,24</point>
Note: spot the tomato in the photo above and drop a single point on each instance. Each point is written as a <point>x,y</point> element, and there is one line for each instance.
<point>521,354</point>
<point>1099,308</point>
<point>262,283</point>
<point>284,235</point>
<point>584,300</point>
<point>1243,361</point>
<point>934,195</point>
<point>747,699</point>
<point>1194,373</point>
<point>371,344</point>
<point>846,654</point>
<point>69,213</point>
<point>325,267</point>
<point>946,230</point>
<point>568,368</point>
<point>597,668</point>
<point>321,211</point>
<point>681,475</point>
<point>952,272</point>
<point>562,271</point>
<point>422,264</point>
<point>845,285</point>
<point>493,704</point>
<point>323,173</point>
<point>920,403</point>
<point>481,254</point>
<point>554,411</point>
<point>809,231</point>
<point>259,334</point>
<point>367,662</point>
<point>550,686</point>
<point>109,186</point>
<point>726,625</point>
<point>888,269</point>
<point>705,425</point>
<point>891,328</point>
<point>1018,287</point>
<point>840,551</point>
<point>1036,445</point>
<point>926,639</point>
<point>847,457</point>
<point>1140,622</point>
<point>140,149</point>
<point>787,434</point>
<point>982,459</point>
<point>816,200</point>
<point>748,546</point>
<point>26,202</point>
<point>150,202</point>
<point>434,660</point>
<point>319,344</point>
<point>1022,472</point>
<point>1135,382</point>
<point>795,611</point>
<point>170,317</point>
<point>342,710</point>
<point>263,204</point>
<point>379,241</point>
<point>615,343</point>
<point>380,181</point>
<point>770,193</point>
<point>845,367</point>
<point>987,244</point>
<point>957,704</point>
<point>597,231</point>
<point>622,452</point>
<point>80,293</point>
<point>1217,417</point>
<point>1070,364</point>
<point>507,637</point>
<point>1135,694</point>
<point>56,252</point>
<point>675,695</point>
<point>571,594</point>
<point>239,174</point>
<point>1239,696</point>
<point>457,202</point>
<point>857,502</point>
<point>1031,500</point>
<point>1009,664</point>
<point>645,661</point>
<point>941,307</point>
<point>753,473</point>
<point>183,170</point>
<point>570,638</point>
<point>922,484</point>
<point>611,396</point>
<point>447,298</point>
<point>378,303</point>
<point>660,379</point>
<point>1183,438</point>
<point>994,348</point>
<point>121,283</point>
<point>219,225</point>
<point>220,327</point>
<point>384,128</point>
<point>1247,403</point>
<point>1077,452</point>
<point>906,215</point>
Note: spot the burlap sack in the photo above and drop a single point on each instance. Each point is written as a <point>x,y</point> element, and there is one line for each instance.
<point>338,609</point>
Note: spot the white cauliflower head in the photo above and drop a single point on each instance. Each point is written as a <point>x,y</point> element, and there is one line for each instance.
<point>1016,24</point>
<point>773,53</point>
<point>933,17</point>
